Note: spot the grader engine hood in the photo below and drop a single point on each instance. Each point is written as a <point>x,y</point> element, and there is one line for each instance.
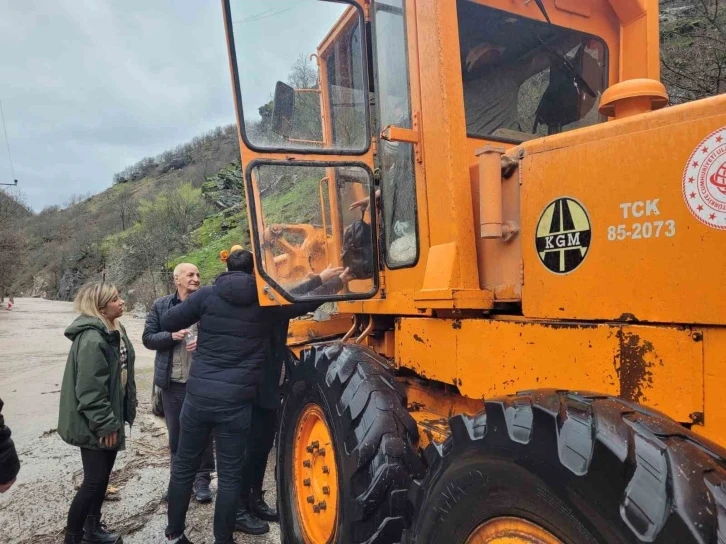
<point>627,220</point>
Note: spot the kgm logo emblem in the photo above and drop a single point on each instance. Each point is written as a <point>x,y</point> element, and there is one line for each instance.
<point>563,235</point>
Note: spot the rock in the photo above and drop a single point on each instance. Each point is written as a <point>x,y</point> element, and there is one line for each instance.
<point>224,189</point>
<point>40,285</point>
<point>70,282</point>
<point>232,210</point>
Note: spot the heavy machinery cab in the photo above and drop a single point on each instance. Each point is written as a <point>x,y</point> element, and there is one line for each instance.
<point>342,114</point>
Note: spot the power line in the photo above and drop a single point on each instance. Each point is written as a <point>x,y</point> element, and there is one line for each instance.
<point>267,13</point>
<point>254,16</point>
<point>263,15</point>
<point>7,142</point>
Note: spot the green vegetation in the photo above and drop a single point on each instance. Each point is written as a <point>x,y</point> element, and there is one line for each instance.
<point>144,252</point>
<point>297,202</point>
<point>292,202</point>
<point>209,240</point>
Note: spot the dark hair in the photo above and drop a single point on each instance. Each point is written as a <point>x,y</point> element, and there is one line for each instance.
<point>240,261</point>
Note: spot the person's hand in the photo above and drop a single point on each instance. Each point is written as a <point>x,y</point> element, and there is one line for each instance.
<point>192,346</point>
<point>362,204</point>
<point>109,441</point>
<point>5,487</point>
<point>346,276</point>
<point>330,272</point>
<point>179,335</point>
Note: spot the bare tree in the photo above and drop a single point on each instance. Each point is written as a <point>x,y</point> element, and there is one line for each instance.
<point>161,233</point>
<point>303,74</point>
<point>693,48</point>
<point>13,210</point>
<point>77,199</point>
<point>125,207</point>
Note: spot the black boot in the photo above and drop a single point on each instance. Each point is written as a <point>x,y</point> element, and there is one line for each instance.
<point>249,523</point>
<point>73,538</point>
<point>94,532</point>
<point>201,490</point>
<point>181,540</point>
<point>261,508</point>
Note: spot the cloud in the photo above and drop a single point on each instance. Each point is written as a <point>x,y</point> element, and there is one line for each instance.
<point>90,86</point>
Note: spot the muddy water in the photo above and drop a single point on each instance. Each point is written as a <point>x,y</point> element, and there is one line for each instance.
<point>33,352</point>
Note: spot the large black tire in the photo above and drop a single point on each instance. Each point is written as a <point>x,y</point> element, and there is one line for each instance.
<point>374,441</point>
<point>585,467</point>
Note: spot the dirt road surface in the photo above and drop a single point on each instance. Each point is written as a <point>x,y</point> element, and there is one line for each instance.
<point>33,353</point>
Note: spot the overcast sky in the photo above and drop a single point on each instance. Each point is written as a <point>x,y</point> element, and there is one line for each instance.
<point>269,38</point>
<point>91,86</point>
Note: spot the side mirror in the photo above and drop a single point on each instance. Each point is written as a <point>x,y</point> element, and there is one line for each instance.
<point>283,109</point>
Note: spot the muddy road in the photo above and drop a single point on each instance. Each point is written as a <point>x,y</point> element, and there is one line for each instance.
<point>33,352</point>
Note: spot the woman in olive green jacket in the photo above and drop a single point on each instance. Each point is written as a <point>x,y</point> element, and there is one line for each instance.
<point>98,396</point>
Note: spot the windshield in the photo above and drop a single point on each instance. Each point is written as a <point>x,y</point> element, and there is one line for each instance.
<point>300,75</point>
<point>525,78</point>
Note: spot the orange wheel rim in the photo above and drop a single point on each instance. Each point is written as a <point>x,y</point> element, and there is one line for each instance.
<point>510,530</point>
<point>315,477</point>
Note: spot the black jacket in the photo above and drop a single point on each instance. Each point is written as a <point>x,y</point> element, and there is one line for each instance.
<point>269,393</point>
<point>154,338</point>
<point>9,463</point>
<point>234,337</point>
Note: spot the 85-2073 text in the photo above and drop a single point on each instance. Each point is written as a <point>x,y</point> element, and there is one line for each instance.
<point>642,231</point>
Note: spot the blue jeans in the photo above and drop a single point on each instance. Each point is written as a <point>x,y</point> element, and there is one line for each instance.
<point>230,432</point>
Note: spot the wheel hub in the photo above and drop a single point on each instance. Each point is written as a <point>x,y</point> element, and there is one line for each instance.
<point>315,476</point>
<point>511,530</point>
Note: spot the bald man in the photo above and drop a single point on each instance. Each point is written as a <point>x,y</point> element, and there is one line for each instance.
<point>171,368</point>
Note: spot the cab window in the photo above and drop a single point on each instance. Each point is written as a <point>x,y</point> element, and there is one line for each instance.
<point>398,191</point>
<point>298,72</point>
<point>347,109</point>
<point>525,78</point>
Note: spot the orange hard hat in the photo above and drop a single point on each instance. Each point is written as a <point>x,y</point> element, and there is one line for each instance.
<point>224,254</point>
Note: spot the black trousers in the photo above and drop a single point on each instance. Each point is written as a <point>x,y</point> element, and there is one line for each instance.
<point>231,430</point>
<point>172,400</point>
<point>261,440</point>
<point>97,467</point>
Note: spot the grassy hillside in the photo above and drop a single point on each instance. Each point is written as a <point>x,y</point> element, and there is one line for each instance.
<point>66,246</point>
<point>291,203</point>
<point>135,232</point>
<point>221,230</point>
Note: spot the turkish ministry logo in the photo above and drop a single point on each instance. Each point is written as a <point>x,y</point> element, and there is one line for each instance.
<point>563,235</point>
<point>704,181</point>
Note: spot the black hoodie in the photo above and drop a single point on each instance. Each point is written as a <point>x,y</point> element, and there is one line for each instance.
<point>9,464</point>
<point>234,337</point>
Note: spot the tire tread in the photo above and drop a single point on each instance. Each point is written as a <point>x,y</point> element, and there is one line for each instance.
<point>672,475</point>
<point>380,436</point>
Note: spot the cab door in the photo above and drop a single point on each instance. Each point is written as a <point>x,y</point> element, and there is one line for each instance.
<point>301,87</point>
